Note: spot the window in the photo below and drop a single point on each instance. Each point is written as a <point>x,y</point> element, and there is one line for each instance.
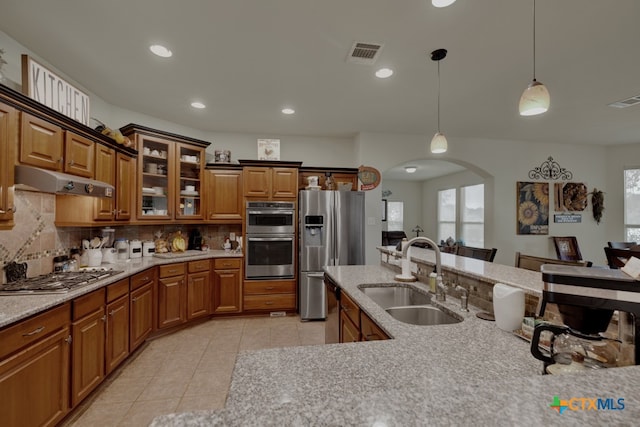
<point>468,219</point>
<point>472,215</point>
<point>395,212</point>
<point>632,205</point>
<point>447,214</point>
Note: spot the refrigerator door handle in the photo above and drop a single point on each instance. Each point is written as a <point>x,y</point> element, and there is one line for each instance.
<point>316,275</point>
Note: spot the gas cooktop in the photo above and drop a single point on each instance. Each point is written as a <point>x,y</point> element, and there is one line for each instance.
<point>55,283</point>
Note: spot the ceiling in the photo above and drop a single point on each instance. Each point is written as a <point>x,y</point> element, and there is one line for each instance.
<point>247,59</point>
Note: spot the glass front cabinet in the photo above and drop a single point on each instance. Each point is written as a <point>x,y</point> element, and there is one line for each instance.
<point>170,171</point>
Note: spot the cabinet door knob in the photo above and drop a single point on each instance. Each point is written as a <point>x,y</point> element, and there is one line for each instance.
<point>68,339</point>
<point>104,318</point>
<point>71,163</point>
<point>111,313</point>
<point>134,299</point>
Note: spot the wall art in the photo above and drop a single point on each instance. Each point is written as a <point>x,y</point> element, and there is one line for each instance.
<point>533,208</point>
<point>570,196</point>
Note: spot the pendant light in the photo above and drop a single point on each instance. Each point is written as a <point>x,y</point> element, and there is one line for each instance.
<point>535,98</point>
<point>439,142</point>
<point>442,3</point>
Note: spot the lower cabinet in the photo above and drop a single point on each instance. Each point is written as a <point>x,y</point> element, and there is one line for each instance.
<point>269,295</point>
<point>141,305</point>
<point>355,324</point>
<point>88,355</point>
<point>198,289</point>
<point>227,285</point>
<point>34,370</point>
<point>172,295</point>
<point>117,332</point>
<point>349,319</point>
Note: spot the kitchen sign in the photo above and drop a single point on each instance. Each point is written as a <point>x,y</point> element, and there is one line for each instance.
<point>46,87</point>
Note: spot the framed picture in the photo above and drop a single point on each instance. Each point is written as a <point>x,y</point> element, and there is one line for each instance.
<point>570,196</point>
<point>268,149</point>
<point>384,209</point>
<point>532,208</point>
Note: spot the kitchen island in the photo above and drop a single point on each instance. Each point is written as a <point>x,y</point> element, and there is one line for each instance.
<point>469,373</point>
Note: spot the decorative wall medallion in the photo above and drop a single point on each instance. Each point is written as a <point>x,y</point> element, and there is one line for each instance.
<point>550,170</point>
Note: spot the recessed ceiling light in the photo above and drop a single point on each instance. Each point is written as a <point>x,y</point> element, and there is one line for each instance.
<point>383,73</point>
<point>197,104</point>
<point>288,111</point>
<point>160,50</point>
<point>442,3</point>
<point>410,169</point>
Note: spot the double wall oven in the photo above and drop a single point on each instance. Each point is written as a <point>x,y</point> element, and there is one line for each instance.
<point>270,240</point>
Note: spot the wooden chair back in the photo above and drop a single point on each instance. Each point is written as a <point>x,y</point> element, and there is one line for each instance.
<point>477,253</point>
<point>622,245</point>
<point>567,248</point>
<point>617,258</point>
<point>533,263</point>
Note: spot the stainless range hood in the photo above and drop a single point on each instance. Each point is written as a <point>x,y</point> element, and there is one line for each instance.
<point>47,181</point>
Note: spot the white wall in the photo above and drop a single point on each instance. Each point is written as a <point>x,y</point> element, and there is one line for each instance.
<point>410,193</point>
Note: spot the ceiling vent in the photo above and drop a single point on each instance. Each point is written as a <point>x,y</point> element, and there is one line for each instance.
<point>626,102</point>
<point>364,53</point>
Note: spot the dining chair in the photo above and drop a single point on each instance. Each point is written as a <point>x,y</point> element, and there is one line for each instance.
<point>477,253</point>
<point>622,245</point>
<point>567,248</point>
<point>617,258</point>
<point>533,263</point>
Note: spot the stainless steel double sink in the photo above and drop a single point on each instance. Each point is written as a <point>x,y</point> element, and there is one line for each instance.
<point>409,305</point>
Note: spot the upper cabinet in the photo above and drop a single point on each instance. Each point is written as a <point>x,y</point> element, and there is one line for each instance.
<point>170,172</point>
<point>224,195</point>
<point>79,155</point>
<point>270,183</point>
<point>41,143</point>
<point>8,142</point>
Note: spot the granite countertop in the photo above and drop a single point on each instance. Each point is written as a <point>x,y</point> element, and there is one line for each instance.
<point>17,307</point>
<point>469,373</point>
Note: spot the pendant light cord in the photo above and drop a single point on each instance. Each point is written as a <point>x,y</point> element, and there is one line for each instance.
<point>534,40</point>
<point>438,96</point>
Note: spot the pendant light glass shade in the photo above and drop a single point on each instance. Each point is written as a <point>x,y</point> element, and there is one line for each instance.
<point>439,143</point>
<point>442,3</point>
<point>534,100</point>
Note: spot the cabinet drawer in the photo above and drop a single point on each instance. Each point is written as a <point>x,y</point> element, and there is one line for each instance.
<point>270,302</point>
<point>369,330</point>
<point>198,266</point>
<point>172,270</point>
<point>350,308</point>
<point>28,331</point>
<point>227,263</point>
<point>87,304</point>
<point>118,289</point>
<point>143,278</point>
<point>269,287</point>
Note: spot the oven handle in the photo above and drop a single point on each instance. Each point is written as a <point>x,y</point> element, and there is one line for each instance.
<point>269,212</point>
<point>269,239</point>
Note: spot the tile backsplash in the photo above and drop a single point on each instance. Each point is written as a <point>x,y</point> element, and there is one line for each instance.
<point>36,240</point>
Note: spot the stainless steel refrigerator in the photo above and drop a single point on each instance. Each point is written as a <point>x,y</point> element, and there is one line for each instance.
<point>331,230</point>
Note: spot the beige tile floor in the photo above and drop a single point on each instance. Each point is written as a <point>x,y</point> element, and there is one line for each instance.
<point>188,370</point>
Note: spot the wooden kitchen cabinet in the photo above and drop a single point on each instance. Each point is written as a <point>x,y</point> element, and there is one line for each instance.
<point>270,183</point>
<point>172,295</point>
<point>8,142</point>
<point>41,143</point>
<point>34,369</point>
<point>105,171</point>
<point>124,187</point>
<point>88,350</point>
<point>349,319</point>
<point>339,175</point>
<point>227,285</point>
<point>141,305</point>
<point>79,155</point>
<point>269,295</point>
<point>369,330</point>
<point>167,165</point>
<point>117,325</point>
<point>198,289</point>
<point>224,195</point>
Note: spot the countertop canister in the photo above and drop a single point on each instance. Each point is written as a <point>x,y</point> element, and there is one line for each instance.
<point>135,249</point>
